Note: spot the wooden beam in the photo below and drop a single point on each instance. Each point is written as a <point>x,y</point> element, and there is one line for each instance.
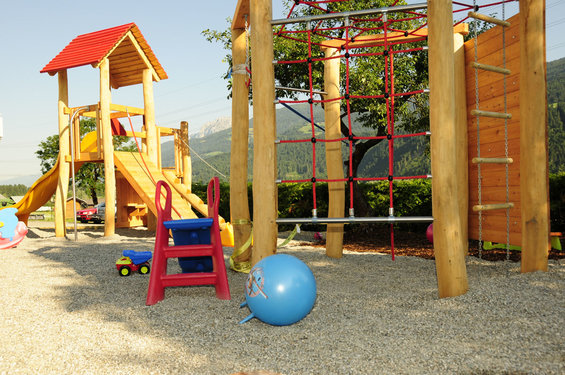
<point>149,105</point>
<point>239,207</point>
<point>489,19</point>
<point>91,108</point>
<point>394,36</point>
<point>264,132</point>
<point>493,206</point>
<point>533,137</point>
<point>462,157</point>
<point>127,109</point>
<point>241,11</point>
<point>64,150</point>
<point>184,154</point>
<point>334,159</point>
<point>165,131</point>
<point>448,243</point>
<point>108,148</point>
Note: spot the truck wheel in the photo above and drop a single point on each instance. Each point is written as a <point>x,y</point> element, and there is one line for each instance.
<point>144,269</point>
<point>125,271</point>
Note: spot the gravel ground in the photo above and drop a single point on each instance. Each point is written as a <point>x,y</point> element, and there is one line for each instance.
<point>65,310</point>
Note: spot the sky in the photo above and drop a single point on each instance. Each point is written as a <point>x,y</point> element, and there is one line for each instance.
<point>32,32</point>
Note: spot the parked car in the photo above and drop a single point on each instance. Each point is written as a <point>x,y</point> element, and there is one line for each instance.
<point>100,213</point>
<point>92,214</point>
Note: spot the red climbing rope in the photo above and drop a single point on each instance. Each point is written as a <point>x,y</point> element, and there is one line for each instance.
<point>384,30</point>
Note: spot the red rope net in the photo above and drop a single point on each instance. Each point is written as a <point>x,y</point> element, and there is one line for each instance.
<point>384,30</point>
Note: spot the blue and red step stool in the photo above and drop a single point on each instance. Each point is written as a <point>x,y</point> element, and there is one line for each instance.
<point>197,244</point>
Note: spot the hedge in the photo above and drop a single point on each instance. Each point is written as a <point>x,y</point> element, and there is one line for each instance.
<point>411,198</point>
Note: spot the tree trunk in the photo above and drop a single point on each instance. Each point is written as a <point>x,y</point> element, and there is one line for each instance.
<point>93,195</point>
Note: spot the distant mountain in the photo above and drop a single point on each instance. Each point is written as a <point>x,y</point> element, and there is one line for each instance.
<point>27,180</point>
<point>211,127</point>
<point>295,159</point>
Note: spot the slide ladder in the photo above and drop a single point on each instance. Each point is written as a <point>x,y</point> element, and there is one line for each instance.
<point>159,279</point>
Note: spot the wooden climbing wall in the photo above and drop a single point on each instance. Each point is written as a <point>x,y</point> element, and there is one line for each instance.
<point>492,145</point>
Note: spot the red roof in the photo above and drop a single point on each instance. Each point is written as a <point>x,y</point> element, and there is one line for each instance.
<point>92,48</point>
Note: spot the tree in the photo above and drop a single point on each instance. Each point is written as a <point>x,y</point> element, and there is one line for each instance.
<point>367,74</point>
<point>90,177</point>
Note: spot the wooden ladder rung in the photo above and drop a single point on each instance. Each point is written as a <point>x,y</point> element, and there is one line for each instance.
<point>495,206</point>
<point>490,68</point>
<point>477,112</point>
<point>486,18</point>
<point>493,160</point>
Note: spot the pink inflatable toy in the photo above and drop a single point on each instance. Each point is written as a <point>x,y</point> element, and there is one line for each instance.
<point>430,233</point>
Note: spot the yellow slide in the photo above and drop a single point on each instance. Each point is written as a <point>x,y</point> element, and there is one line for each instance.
<point>43,189</point>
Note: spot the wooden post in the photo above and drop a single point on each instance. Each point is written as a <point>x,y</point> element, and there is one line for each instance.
<point>334,160</point>
<point>178,167</point>
<point>108,148</point>
<point>448,244</point>
<point>461,137</point>
<point>264,132</point>
<point>185,156</point>
<point>150,131</point>
<point>76,140</point>
<point>64,150</point>
<point>239,204</point>
<point>149,106</point>
<point>533,137</point>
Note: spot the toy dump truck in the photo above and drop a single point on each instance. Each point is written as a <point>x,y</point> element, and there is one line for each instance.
<point>134,261</point>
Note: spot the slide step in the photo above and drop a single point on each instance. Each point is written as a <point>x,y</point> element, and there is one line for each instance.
<point>188,279</point>
<point>188,251</point>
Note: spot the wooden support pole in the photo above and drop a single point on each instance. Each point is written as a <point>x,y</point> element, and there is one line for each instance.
<point>64,150</point>
<point>461,137</point>
<point>108,148</point>
<point>185,156</point>
<point>448,242</point>
<point>264,132</point>
<point>534,190</point>
<point>239,203</point>
<point>334,160</point>
<point>149,106</point>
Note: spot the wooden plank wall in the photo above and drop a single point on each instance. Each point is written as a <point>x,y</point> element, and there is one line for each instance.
<point>131,210</point>
<point>491,98</point>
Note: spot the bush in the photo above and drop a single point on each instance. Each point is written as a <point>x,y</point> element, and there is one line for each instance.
<point>557,201</point>
<point>411,198</point>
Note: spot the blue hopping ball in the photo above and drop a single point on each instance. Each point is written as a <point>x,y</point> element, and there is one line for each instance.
<point>280,290</point>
